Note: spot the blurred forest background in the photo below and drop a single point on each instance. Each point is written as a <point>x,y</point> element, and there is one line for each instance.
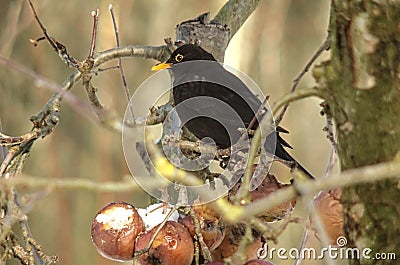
<point>272,47</point>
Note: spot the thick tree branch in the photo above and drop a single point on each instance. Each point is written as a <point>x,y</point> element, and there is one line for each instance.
<point>159,53</point>
<point>234,13</point>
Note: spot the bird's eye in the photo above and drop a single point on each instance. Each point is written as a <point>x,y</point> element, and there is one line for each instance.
<point>178,57</point>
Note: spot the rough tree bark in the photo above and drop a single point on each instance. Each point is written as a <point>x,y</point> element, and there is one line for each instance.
<point>214,35</point>
<point>363,81</point>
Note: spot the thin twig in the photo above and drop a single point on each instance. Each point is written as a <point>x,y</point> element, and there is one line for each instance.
<point>44,30</point>
<point>36,182</point>
<point>3,150</point>
<point>243,194</point>
<point>197,229</point>
<point>190,147</point>
<point>137,254</point>
<point>347,178</point>
<point>325,46</point>
<point>196,253</point>
<point>333,157</point>
<point>91,92</point>
<point>329,128</point>
<point>296,95</point>
<point>12,25</point>
<point>309,205</point>
<point>303,244</point>
<point>264,228</point>
<point>157,115</point>
<point>368,174</point>
<point>86,67</point>
<point>27,232</point>
<point>234,213</point>
<point>57,46</point>
<point>270,233</point>
<point>6,140</point>
<point>105,69</point>
<point>254,119</point>
<point>6,161</point>
<point>306,234</point>
<point>95,15</point>
<point>120,66</point>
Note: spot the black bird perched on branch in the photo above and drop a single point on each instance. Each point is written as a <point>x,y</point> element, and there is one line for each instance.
<point>213,102</point>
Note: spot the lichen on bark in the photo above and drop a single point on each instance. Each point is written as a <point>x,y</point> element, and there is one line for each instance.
<point>363,81</point>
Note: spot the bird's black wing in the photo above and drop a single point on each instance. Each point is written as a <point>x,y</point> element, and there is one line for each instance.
<point>216,83</point>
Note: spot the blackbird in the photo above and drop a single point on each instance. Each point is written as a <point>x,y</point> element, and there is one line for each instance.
<point>212,102</point>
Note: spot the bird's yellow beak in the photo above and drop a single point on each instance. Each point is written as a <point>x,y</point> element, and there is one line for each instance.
<point>161,66</point>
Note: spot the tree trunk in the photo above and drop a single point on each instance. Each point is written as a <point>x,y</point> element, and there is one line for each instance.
<point>362,79</point>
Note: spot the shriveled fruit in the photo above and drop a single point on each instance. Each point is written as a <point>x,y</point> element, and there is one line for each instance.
<point>231,242</point>
<point>211,225</point>
<point>114,231</point>
<point>172,245</point>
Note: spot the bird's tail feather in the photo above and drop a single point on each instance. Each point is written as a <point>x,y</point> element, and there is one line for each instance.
<point>283,154</point>
<point>302,169</point>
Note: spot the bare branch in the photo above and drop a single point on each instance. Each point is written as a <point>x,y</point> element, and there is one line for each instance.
<point>36,182</point>
<point>325,46</point>
<point>95,15</point>
<point>347,178</point>
<point>298,94</point>
<point>138,253</point>
<point>57,46</point>
<point>329,128</point>
<point>49,39</point>
<point>159,53</point>
<point>156,116</point>
<point>197,229</point>
<point>3,149</point>
<point>120,66</point>
<point>6,140</point>
<point>232,213</point>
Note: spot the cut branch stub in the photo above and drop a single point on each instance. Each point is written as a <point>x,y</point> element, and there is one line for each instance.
<point>212,36</point>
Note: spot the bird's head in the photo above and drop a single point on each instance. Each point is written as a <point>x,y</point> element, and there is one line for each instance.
<point>185,53</point>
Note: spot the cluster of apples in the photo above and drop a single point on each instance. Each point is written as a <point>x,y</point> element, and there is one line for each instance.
<point>119,230</point>
<point>122,232</point>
